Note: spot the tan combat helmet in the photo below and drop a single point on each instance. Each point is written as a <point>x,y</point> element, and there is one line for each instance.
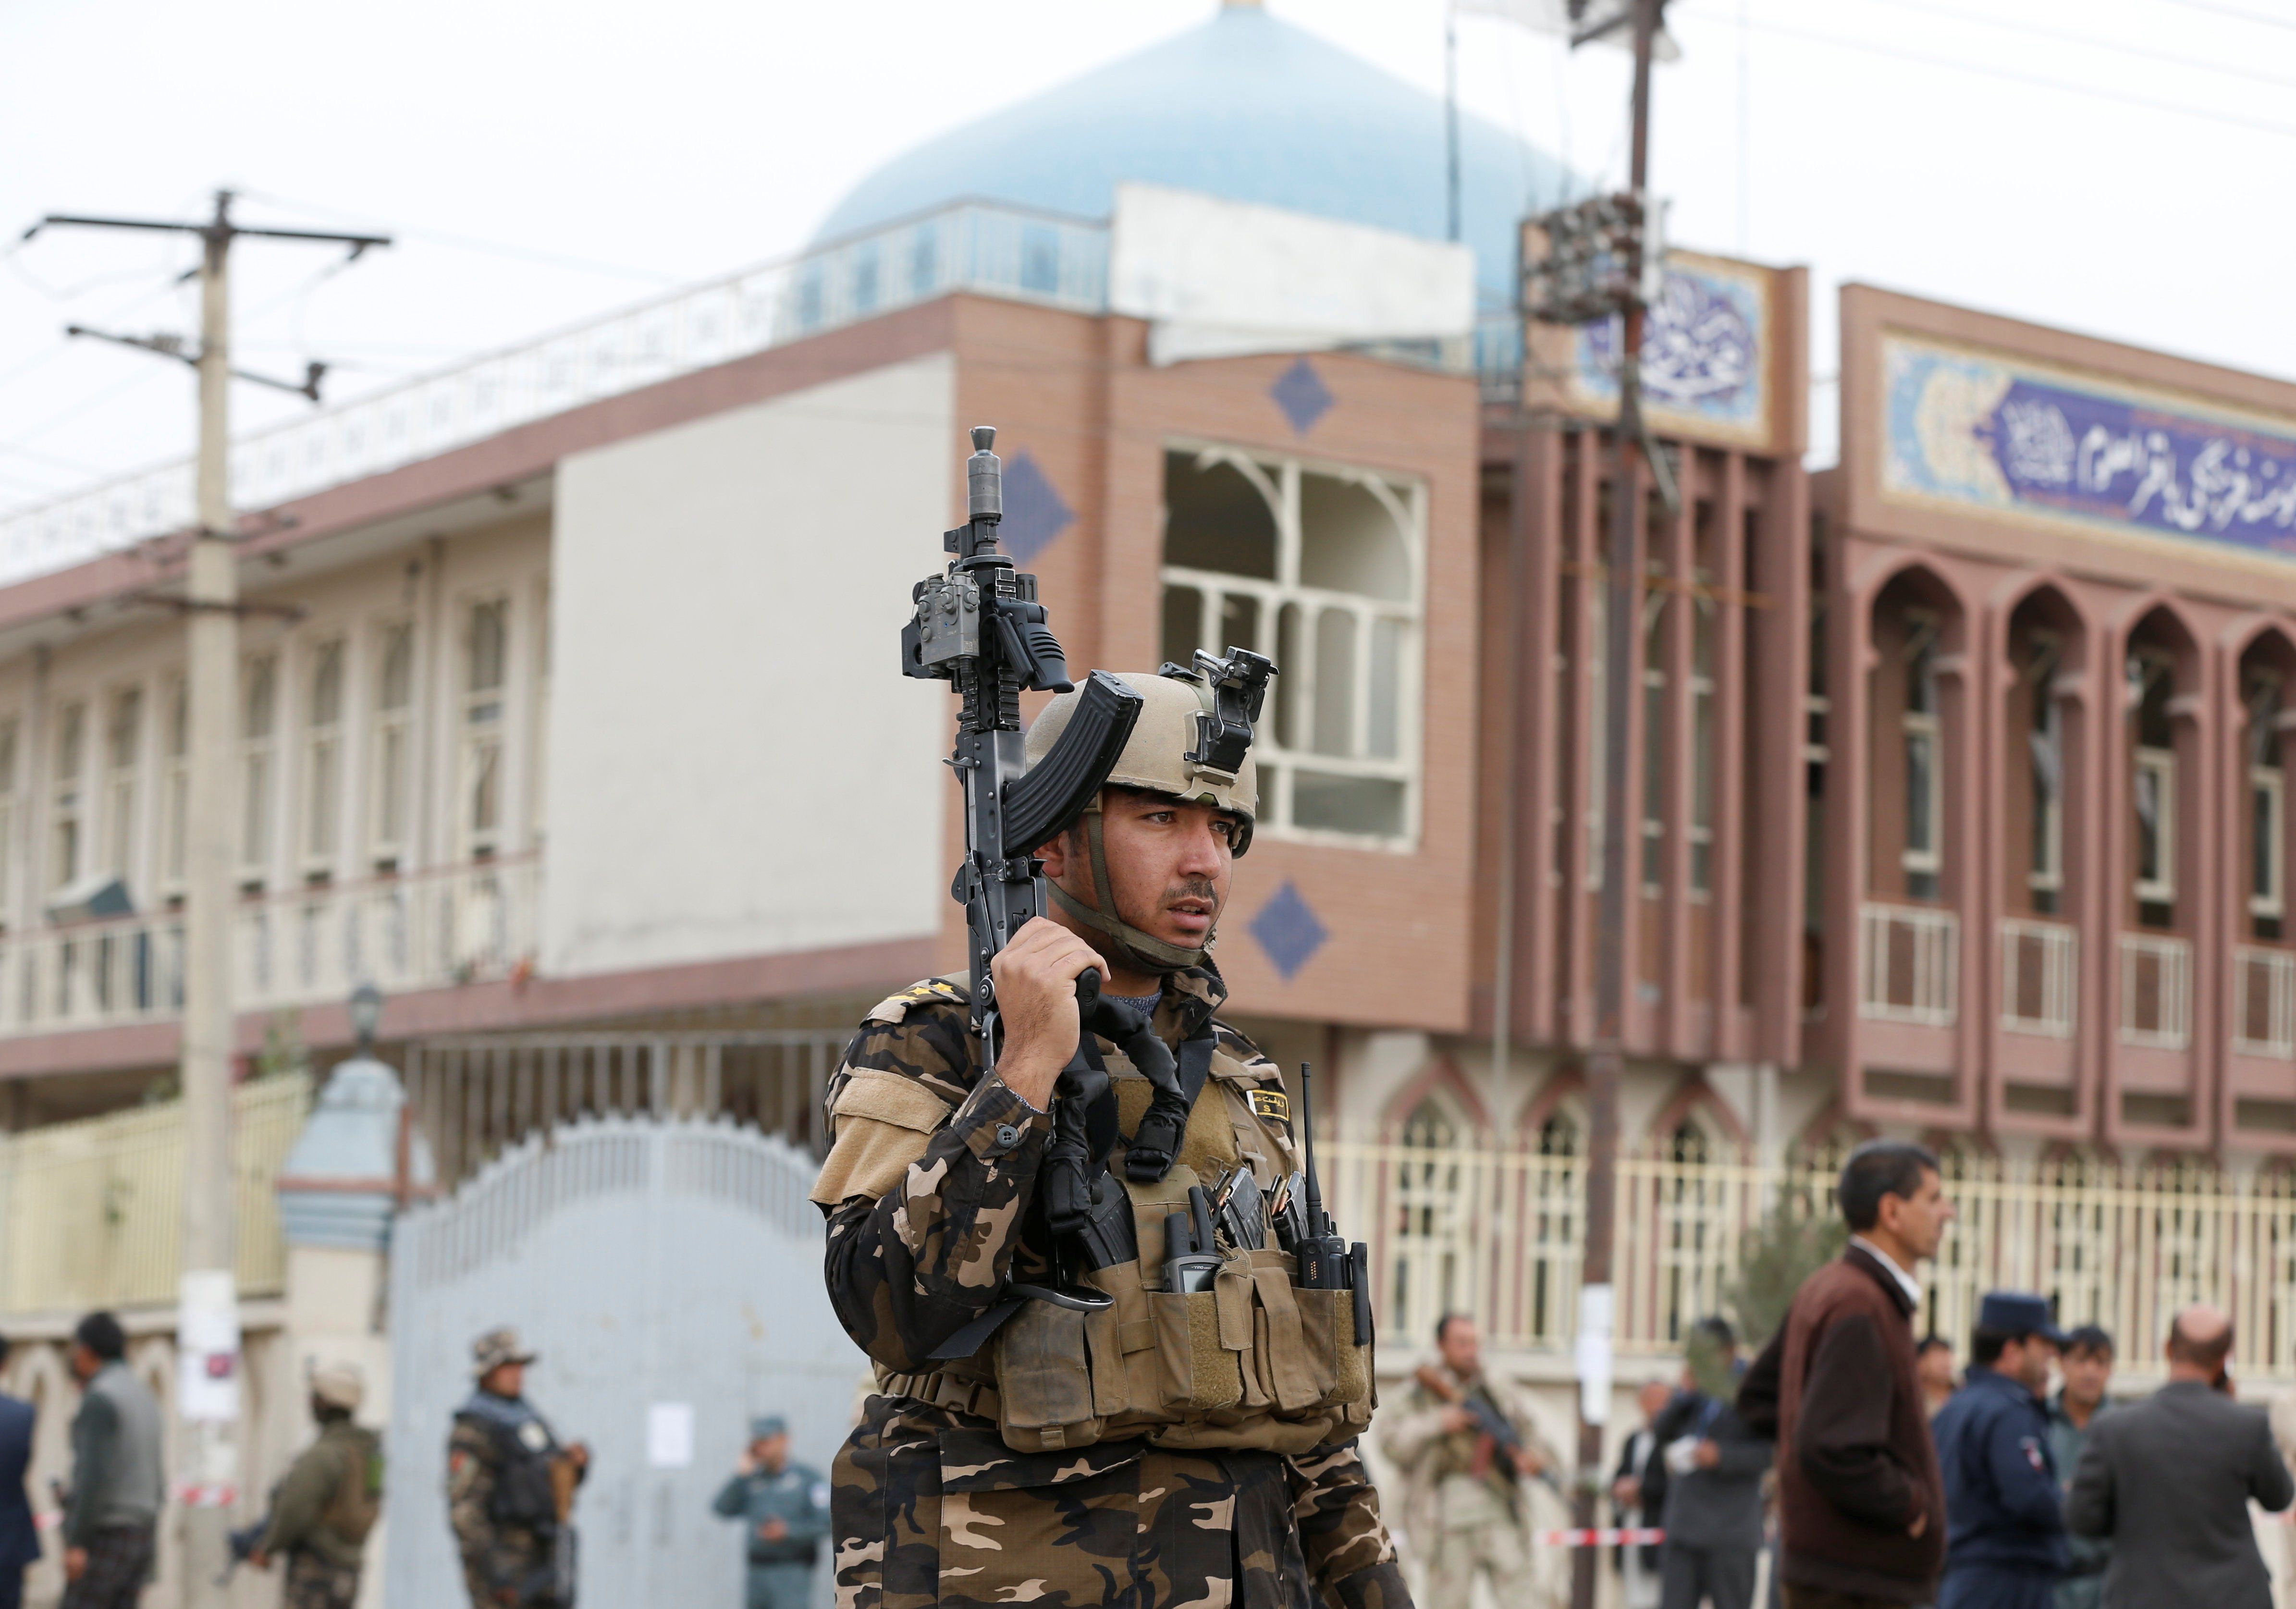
<point>1192,741</point>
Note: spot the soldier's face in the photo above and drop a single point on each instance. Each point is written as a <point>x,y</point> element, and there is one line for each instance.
<point>507,1380</point>
<point>1170,862</point>
<point>771,1452</point>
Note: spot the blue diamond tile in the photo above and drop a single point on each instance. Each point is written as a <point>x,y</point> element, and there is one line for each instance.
<point>1302,396</point>
<point>1287,930</point>
<point>1034,512</point>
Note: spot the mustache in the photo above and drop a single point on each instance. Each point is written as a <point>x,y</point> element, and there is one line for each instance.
<point>1193,888</point>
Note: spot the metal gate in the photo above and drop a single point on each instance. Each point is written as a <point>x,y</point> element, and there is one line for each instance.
<point>669,1272</point>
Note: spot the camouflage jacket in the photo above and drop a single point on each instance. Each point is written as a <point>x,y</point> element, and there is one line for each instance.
<point>503,1533</point>
<point>930,1172</point>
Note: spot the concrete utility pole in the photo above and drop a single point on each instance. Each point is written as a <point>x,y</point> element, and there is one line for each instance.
<point>1621,646</point>
<point>1596,261</point>
<point>207,1332</point>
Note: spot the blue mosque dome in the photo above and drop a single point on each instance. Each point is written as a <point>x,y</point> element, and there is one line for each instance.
<point>1245,107</point>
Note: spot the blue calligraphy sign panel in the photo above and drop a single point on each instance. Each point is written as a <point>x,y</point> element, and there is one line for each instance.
<point>1994,433</point>
<point>1705,351</point>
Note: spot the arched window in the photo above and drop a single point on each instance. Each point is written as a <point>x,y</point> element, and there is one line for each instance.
<point>1433,1217</point>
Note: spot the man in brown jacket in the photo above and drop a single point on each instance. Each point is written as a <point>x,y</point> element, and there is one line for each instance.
<point>1860,1500</point>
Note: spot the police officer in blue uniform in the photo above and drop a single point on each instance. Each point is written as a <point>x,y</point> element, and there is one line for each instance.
<point>784,1510</point>
<point>2005,1539</point>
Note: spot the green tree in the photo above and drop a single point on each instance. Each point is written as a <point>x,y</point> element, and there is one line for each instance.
<point>1794,1241</point>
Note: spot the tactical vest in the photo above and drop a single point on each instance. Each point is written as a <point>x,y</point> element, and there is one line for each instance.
<point>1256,1361</point>
<point>524,1499</point>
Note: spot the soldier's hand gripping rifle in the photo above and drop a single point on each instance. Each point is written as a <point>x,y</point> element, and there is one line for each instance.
<point>979,624</point>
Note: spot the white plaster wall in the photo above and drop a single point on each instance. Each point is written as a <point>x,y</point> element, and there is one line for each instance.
<point>736,765</point>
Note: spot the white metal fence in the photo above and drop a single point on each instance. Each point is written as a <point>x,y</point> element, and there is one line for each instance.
<point>91,1212</point>
<point>1909,965</point>
<point>455,924</point>
<point>1497,1233</point>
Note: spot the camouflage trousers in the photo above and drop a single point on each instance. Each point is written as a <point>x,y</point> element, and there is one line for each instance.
<point>929,1511</point>
<point>519,1561</point>
<point>313,1584</point>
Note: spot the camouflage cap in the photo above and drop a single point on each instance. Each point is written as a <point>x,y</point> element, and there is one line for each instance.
<point>495,1348</point>
<point>338,1384</point>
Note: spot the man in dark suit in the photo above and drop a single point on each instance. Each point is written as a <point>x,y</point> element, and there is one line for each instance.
<point>2169,1479</point>
<point>1713,1495</point>
<point>20,1543</point>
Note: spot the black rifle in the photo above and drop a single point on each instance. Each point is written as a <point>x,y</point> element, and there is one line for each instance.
<point>978,625</point>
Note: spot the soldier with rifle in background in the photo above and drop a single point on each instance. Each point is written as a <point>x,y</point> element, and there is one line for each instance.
<point>1121,1355</point>
<point>510,1487</point>
<point>1466,1446</point>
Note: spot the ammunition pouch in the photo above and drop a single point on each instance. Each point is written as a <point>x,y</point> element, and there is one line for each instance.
<point>1256,1361</point>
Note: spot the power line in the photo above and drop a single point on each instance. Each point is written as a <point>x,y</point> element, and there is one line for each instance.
<point>2234,11</point>
<point>464,243</point>
<point>1897,52</point>
<point>2068,36</point>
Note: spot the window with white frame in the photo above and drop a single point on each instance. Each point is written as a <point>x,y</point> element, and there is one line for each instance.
<point>2044,748</point>
<point>1705,627</point>
<point>323,757</point>
<point>1319,568</point>
<point>1598,733</point>
<point>393,742</point>
<point>2154,787</point>
<point>175,783</point>
<point>7,821</point>
<point>258,720</point>
<point>68,816</point>
<point>1655,746</point>
<point>486,659</point>
<point>123,763</point>
<point>2266,811</point>
<point>539,718</point>
<point>1923,855</point>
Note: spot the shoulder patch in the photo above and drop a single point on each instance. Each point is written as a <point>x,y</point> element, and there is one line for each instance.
<point>893,1007</point>
<point>890,1097</point>
<point>1271,1104</point>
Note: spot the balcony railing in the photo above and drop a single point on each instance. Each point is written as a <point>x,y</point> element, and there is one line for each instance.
<point>1497,1233</point>
<point>1909,965</point>
<point>458,924</point>
<point>2039,974</point>
<point>2156,991</point>
<point>2264,1010</point>
<point>91,1212</point>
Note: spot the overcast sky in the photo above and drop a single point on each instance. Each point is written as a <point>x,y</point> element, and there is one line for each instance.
<point>2117,167</point>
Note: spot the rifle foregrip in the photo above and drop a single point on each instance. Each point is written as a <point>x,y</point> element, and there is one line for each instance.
<point>1055,791</point>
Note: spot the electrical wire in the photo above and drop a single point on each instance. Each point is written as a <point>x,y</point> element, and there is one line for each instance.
<point>2220,10</point>
<point>2006,75</point>
<point>1927,8</point>
<point>464,243</point>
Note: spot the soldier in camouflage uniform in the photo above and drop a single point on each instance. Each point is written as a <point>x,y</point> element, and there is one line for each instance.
<point>947,1493</point>
<point>510,1487</point>
<point>328,1501</point>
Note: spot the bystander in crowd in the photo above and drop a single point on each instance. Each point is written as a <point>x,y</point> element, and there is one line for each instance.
<point>2006,1535</point>
<point>111,1514</point>
<point>2168,1480</point>
<point>1861,1503</point>
<point>1933,1361</point>
<point>2086,1369</point>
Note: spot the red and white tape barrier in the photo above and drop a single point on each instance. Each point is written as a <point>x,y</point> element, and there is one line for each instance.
<point>1628,1536</point>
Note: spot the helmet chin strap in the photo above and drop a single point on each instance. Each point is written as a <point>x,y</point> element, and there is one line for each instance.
<point>1144,951</point>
